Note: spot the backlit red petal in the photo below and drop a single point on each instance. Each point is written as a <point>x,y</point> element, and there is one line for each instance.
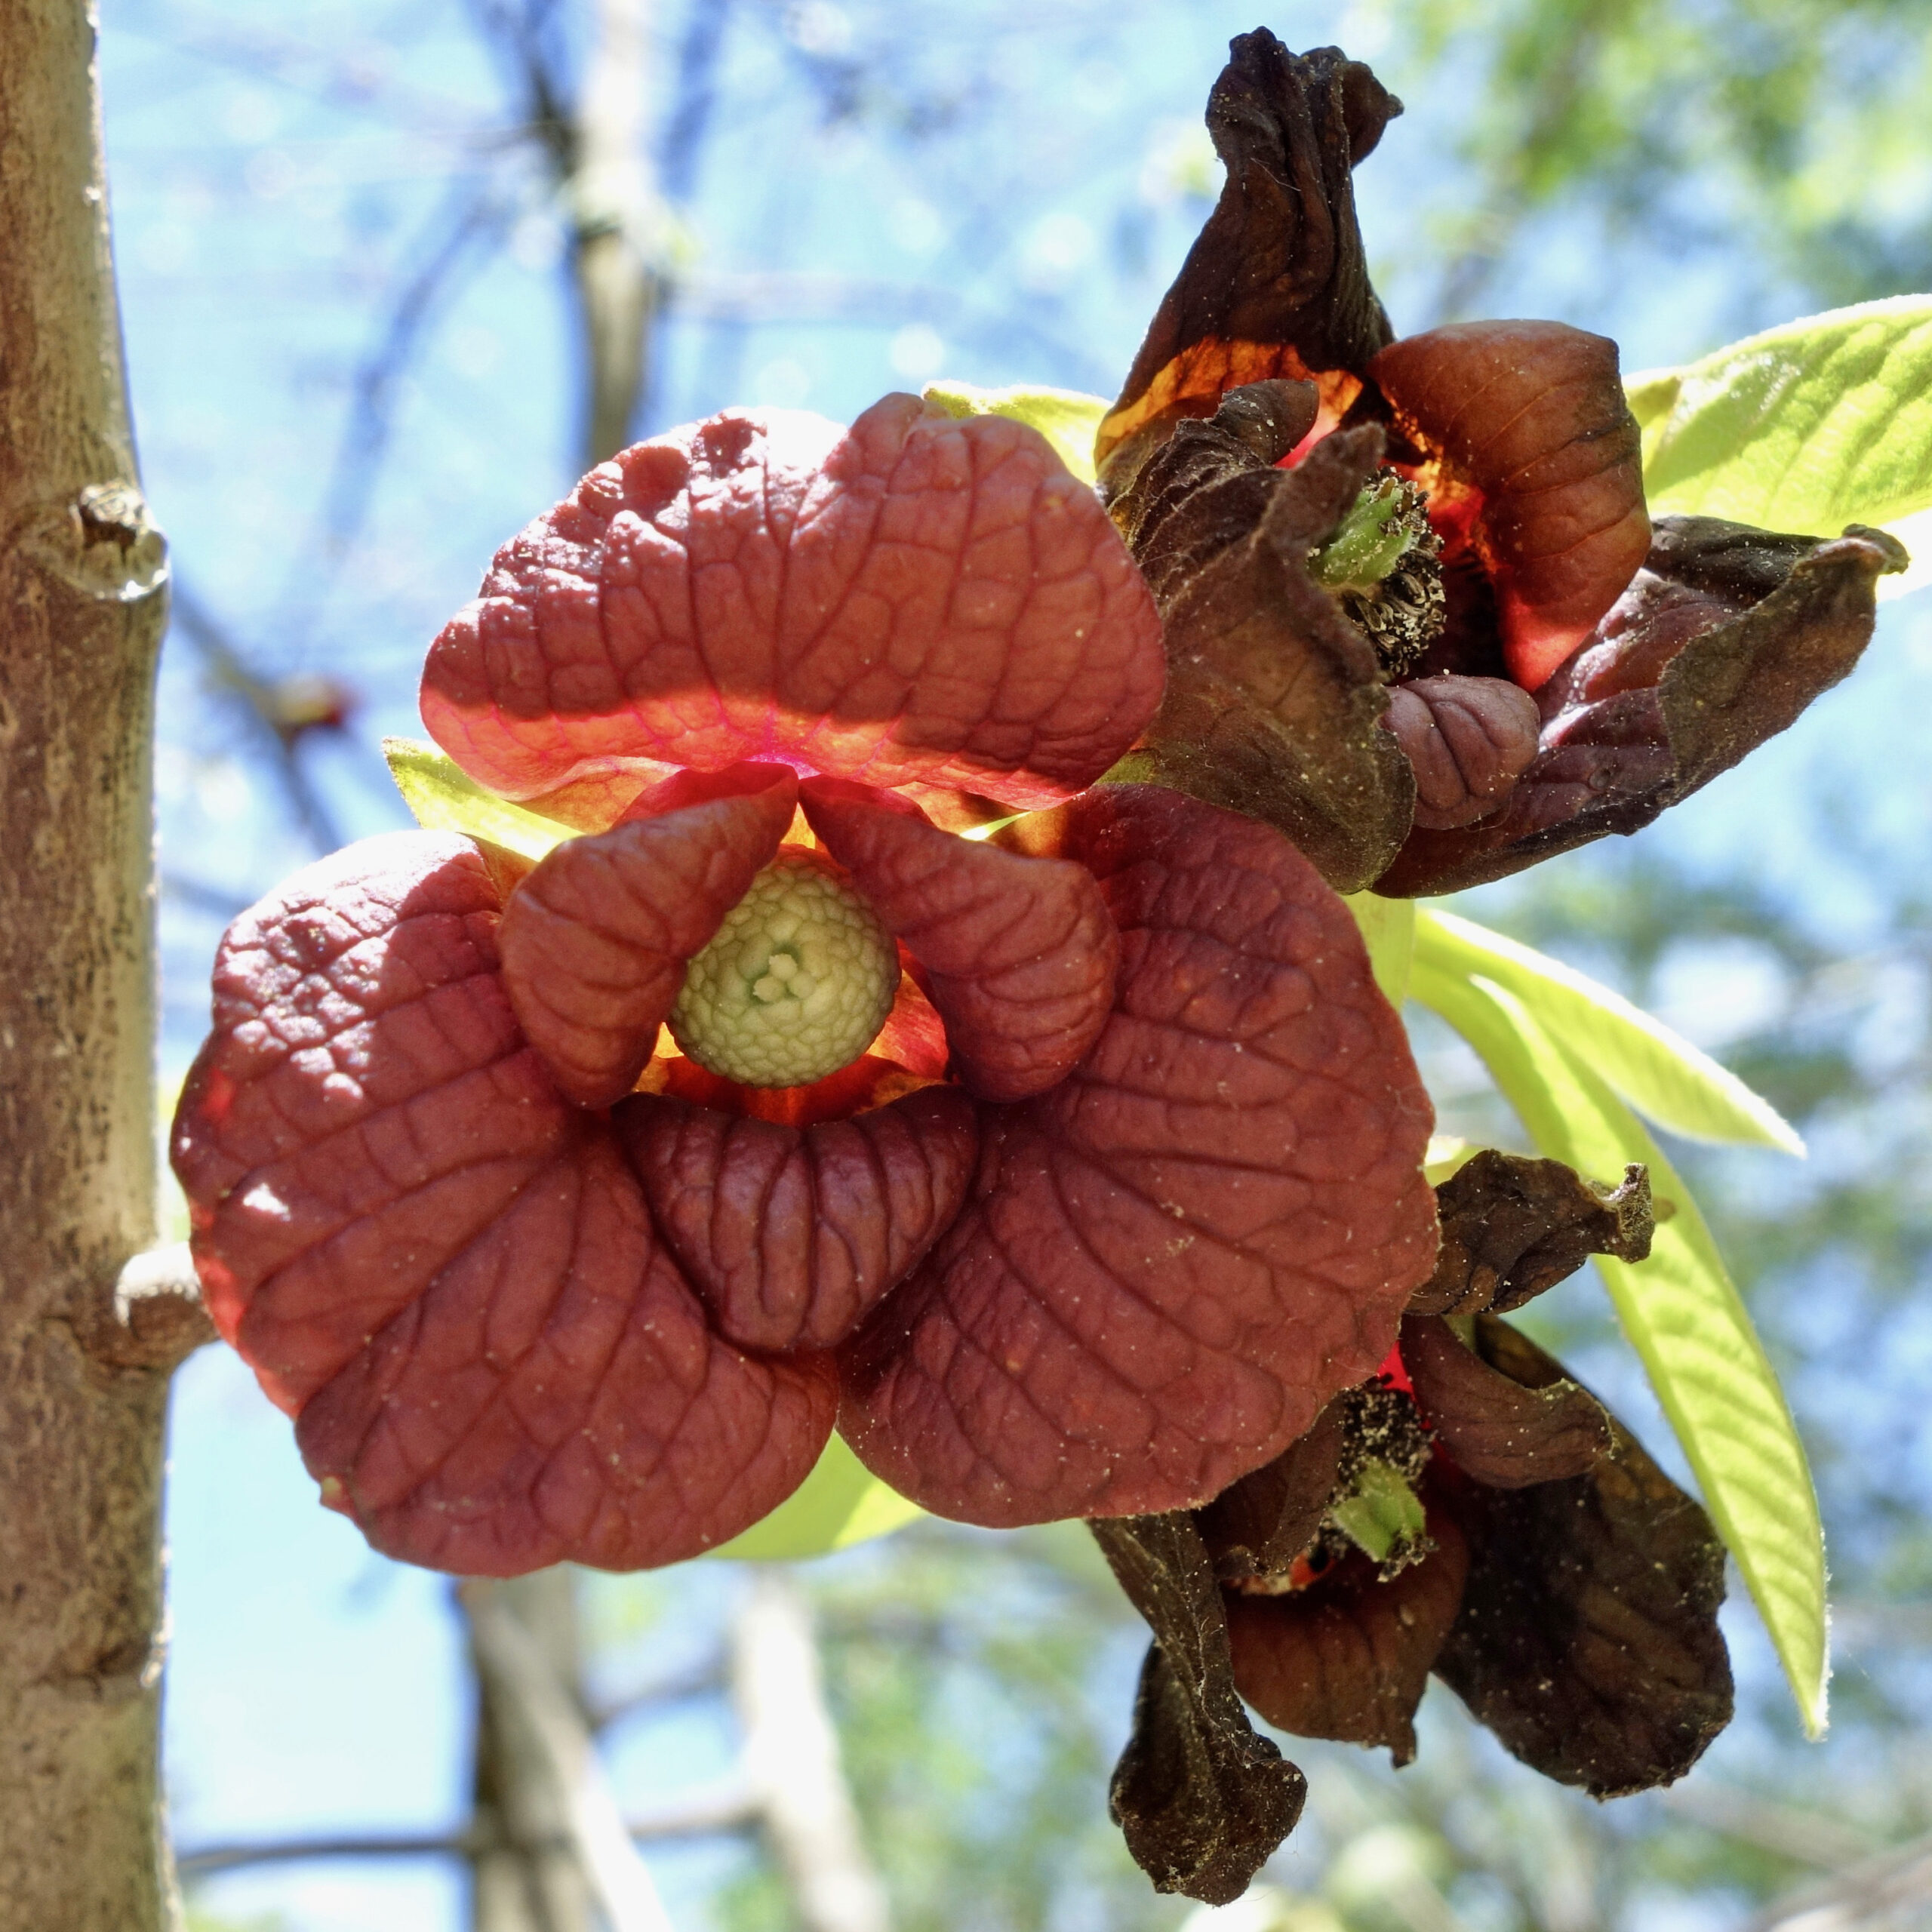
<point>917,600</point>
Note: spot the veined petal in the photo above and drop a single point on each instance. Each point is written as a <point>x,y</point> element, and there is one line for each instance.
<point>1167,1264</point>
<point>594,942</point>
<point>792,1234</point>
<point>1019,951</point>
<point>1349,1658</point>
<point>444,1271</point>
<point>918,600</point>
<point>1531,416</point>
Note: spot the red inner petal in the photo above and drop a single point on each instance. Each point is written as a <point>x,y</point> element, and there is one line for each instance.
<point>596,940</point>
<point>1019,951</point>
<point>792,1234</point>
<point>1532,416</point>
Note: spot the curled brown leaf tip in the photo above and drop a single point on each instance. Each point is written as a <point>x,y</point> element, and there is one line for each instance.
<point>1495,1429</point>
<point>1719,642</point>
<point>1468,739</point>
<point>1513,1225</point>
<point>1274,701</point>
<point>1276,283</point>
<point>1202,1801</point>
<point>1588,1638</point>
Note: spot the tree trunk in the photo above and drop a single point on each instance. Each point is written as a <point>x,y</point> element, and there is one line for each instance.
<point>83,1370</point>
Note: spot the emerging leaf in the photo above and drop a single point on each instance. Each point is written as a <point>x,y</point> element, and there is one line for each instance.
<point>1066,419</point>
<point>1811,425</point>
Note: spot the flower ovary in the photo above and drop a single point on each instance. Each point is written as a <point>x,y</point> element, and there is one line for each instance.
<point>1383,566</point>
<point>795,984</point>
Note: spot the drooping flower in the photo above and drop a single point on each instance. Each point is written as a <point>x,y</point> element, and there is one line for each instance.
<point>1128,1187</point>
<point>1470,1513</point>
<point>1416,614</point>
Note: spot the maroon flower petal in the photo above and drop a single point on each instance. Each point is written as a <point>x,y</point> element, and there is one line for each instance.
<point>1276,283</point>
<point>1019,951</point>
<point>917,600</point>
<point>594,942</point>
<point>792,1234</point>
<point>1530,415</point>
<point>1202,1800</point>
<point>1349,1658</point>
<point>446,1272</point>
<point>1495,1430</point>
<point>1720,641</point>
<point>1469,739</point>
<point>1588,1639</point>
<point>1168,1263</point>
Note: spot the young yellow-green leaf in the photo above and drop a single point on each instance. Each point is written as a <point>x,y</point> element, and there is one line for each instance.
<point>1389,928</point>
<point>1067,418</point>
<point>1806,428</point>
<point>1660,1073</point>
<point>444,798</point>
<point>1685,1319</point>
<point>840,1503</point>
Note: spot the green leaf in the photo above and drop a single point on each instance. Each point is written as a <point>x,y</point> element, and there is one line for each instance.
<point>1389,927</point>
<point>1683,1317</point>
<point>840,1503</point>
<point>1806,428</point>
<point>1660,1073</point>
<point>444,798</point>
<point>1068,420</point>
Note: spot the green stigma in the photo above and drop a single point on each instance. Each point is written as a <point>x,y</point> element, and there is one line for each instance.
<point>1383,1516</point>
<point>795,983</point>
<point>1384,566</point>
<point>1374,535</point>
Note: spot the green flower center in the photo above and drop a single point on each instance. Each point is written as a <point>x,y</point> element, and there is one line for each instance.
<point>795,983</point>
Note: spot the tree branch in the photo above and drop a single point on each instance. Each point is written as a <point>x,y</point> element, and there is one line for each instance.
<point>553,1785</point>
<point>791,1759</point>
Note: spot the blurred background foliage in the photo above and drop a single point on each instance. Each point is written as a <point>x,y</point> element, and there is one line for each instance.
<point>366,249</point>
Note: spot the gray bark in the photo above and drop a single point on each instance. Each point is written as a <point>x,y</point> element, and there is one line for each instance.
<point>792,1762</point>
<point>558,1856</point>
<point>83,1369</point>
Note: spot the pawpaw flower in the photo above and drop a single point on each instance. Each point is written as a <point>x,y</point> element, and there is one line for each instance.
<point>1417,616</point>
<point>1071,1170</point>
<point>1476,1514</point>
<point>1470,1512</point>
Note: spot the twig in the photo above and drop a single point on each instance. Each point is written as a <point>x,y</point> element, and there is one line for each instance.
<point>1892,1893</point>
<point>791,1758</point>
<point>700,1814</point>
<point>231,672</point>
